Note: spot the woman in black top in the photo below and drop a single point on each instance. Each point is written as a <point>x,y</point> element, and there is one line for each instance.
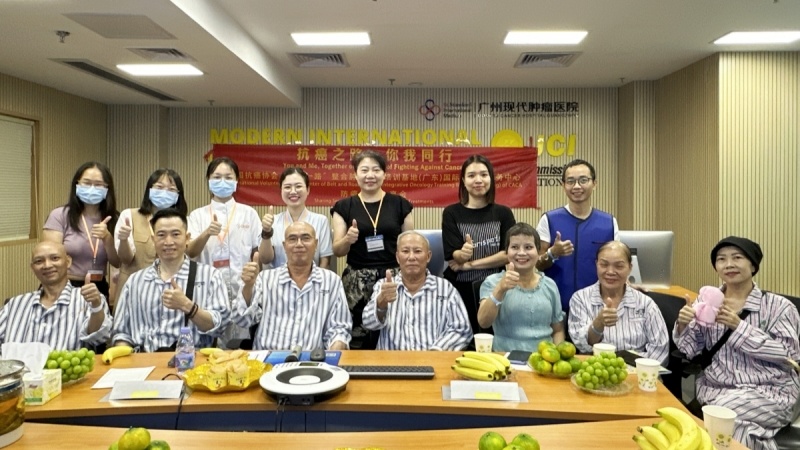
<point>365,229</point>
<point>472,232</point>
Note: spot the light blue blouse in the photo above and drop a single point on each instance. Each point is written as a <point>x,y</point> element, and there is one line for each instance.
<point>525,315</point>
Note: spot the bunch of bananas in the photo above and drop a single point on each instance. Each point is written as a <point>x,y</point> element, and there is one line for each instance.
<point>677,431</point>
<point>482,366</point>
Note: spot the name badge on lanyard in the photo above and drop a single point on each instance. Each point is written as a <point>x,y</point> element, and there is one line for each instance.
<point>374,243</point>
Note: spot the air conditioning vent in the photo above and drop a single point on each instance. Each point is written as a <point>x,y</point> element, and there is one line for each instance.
<point>545,60</point>
<point>162,54</point>
<point>90,68</point>
<point>313,60</point>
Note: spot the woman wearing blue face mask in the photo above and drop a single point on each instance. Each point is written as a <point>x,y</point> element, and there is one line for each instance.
<point>226,233</point>
<point>133,235</point>
<point>82,225</point>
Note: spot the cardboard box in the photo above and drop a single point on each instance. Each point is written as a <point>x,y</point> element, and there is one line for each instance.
<point>39,389</point>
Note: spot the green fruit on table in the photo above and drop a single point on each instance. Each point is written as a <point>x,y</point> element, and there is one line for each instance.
<point>513,447</point>
<point>134,439</point>
<point>567,350</point>
<point>113,446</point>
<point>158,445</point>
<point>492,441</point>
<point>562,368</point>
<point>525,441</point>
<point>534,359</point>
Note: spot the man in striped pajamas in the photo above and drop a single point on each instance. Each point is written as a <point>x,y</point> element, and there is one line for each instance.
<point>58,314</point>
<point>297,303</point>
<point>750,373</point>
<point>417,310</point>
<point>153,305</point>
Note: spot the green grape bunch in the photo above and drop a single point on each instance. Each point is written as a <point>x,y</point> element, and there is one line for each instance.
<point>603,371</point>
<point>74,364</point>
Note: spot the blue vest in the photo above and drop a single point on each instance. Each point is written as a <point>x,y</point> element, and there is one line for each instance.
<point>576,271</point>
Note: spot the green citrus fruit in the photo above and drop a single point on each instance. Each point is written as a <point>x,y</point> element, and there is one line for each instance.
<point>525,441</point>
<point>544,367</point>
<point>113,446</point>
<point>575,363</point>
<point>550,354</point>
<point>562,368</point>
<point>513,447</point>
<point>134,439</point>
<point>491,441</point>
<point>534,359</point>
<point>566,349</point>
<point>158,445</point>
<point>543,345</point>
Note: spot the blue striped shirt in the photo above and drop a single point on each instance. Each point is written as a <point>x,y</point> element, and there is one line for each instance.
<point>314,316</point>
<point>63,326</point>
<point>640,326</point>
<point>434,318</point>
<point>143,320</point>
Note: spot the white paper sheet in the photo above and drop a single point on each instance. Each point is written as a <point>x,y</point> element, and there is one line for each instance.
<point>139,390</point>
<point>113,375</point>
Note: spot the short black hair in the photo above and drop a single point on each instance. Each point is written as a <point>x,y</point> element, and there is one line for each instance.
<point>463,195</point>
<point>577,162</point>
<point>292,170</point>
<point>371,154</point>
<point>523,229</point>
<point>168,213</point>
<point>212,166</point>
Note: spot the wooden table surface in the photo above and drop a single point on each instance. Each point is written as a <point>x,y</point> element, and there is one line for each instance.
<point>612,435</point>
<point>547,397</point>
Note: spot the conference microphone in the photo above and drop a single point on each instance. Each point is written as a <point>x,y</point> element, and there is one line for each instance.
<point>295,355</point>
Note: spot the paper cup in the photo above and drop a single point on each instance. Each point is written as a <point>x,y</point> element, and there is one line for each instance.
<point>599,348</point>
<point>719,422</point>
<point>647,373</point>
<point>483,342</point>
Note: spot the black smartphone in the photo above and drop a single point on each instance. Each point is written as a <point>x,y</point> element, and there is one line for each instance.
<point>628,357</point>
<point>519,357</point>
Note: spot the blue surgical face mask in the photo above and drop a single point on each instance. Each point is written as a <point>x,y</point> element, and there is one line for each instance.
<point>162,198</point>
<point>91,195</point>
<point>222,188</point>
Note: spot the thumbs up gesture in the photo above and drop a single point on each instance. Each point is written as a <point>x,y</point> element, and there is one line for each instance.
<point>352,233</point>
<point>388,292</point>
<point>468,247</point>
<point>561,248</point>
<point>90,293</point>
<point>173,297</point>
<point>124,231</point>
<point>268,220</point>
<point>100,230</point>
<point>250,271</point>
<point>510,278</point>
<point>214,228</point>
<point>687,313</point>
<point>609,312</point>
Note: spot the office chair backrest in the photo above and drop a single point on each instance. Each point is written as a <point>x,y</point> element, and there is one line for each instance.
<point>437,264</point>
<point>670,306</point>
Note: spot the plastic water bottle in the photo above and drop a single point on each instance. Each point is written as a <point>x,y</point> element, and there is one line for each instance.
<point>184,350</point>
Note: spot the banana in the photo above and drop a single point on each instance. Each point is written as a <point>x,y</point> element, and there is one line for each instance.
<point>690,436</point>
<point>503,360</point>
<point>485,357</point>
<point>208,351</point>
<point>643,443</point>
<point>670,431</point>
<point>705,439</point>
<point>477,364</point>
<point>473,374</point>
<point>655,437</point>
<point>116,352</point>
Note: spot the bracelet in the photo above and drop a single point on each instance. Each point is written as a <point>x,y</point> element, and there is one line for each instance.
<point>599,333</point>
<point>192,312</point>
<point>99,308</point>
<point>267,234</point>
<point>495,301</point>
<point>381,310</point>
<point>550,255</point>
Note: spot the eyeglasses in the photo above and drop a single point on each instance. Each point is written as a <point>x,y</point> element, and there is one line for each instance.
<point>166,188</point>
<point>583,181</point>
<point>305,239</point>
<point>90,183</point>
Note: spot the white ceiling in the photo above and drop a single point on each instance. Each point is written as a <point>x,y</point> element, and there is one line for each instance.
<point>242,46</point>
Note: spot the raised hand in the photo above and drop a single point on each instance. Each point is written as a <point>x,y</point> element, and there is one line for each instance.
<point>268,220</point>
<point>510,279</point>
<point>388,292</point>
<point>214,228</point>
<point>250,271</point>
<point>352,233</point>
<point>100,230</point>
<point>562,248</point>
<point>468,247</point>
<point>173,297</point>
<point>90,293</point>
<point>125,230</point>
<point>687,313</point>
<point>609,313</point>
<point>728,317</point>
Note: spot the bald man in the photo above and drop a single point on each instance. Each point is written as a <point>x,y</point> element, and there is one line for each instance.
<point>57,314</point>
<point>296,304</point>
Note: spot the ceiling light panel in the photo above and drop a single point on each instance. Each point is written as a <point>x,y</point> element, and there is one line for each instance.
<point>758,37</point>
<point>331,39</point>
<point>544,37</point>
<point>160,70</point>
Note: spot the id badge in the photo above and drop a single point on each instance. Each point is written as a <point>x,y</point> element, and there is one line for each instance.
<point>374,243</point>
<point>220,263</point>
<point>95,275</point>
<point>221,257</point>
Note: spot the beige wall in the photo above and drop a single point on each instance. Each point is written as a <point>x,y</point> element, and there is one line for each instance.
<point>636,176</point>
<point>71,131</point>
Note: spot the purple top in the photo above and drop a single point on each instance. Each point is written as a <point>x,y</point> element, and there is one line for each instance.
<point>77,243</point>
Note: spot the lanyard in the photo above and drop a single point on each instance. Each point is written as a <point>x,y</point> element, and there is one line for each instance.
<point>377,217</point>
<point>96,245</point>
<point>221,236</point>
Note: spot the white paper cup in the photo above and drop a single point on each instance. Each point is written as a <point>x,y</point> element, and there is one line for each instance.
<point>647,373</point>
<point>599,348</point>
<point>483,342</point>
<point>719,422</point>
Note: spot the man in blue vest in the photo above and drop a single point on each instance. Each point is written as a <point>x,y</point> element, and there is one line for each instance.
<point>571,235</point>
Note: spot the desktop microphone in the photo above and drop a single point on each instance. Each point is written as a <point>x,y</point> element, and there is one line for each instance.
<point>295,355</point>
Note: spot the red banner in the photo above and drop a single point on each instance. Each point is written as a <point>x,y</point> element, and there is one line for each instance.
<point>426,176</point>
